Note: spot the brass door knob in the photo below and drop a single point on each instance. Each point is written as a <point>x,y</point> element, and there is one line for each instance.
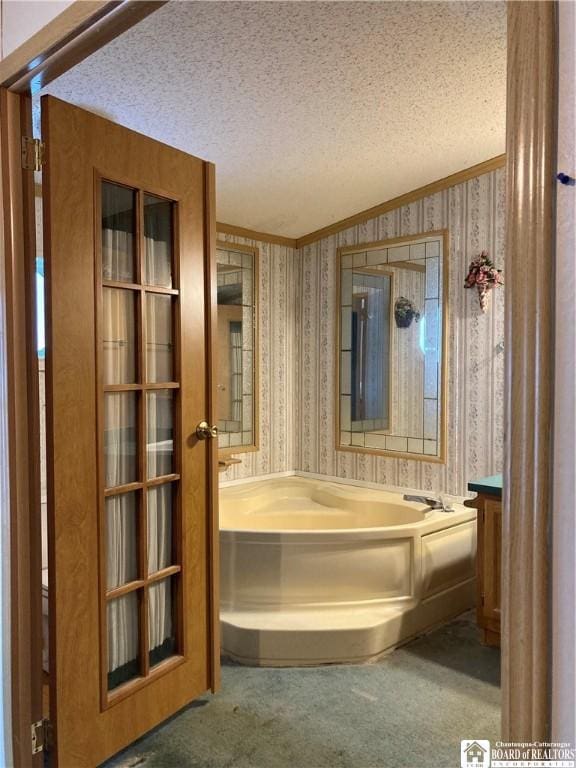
<point>204,431</point>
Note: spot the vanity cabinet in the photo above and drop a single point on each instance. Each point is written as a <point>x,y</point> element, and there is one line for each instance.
<point>489,571</point>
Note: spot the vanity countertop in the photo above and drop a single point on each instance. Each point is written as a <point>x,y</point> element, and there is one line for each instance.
<point>491,485</point>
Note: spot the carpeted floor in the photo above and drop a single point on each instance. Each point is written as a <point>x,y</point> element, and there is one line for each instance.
<point>408,710</point>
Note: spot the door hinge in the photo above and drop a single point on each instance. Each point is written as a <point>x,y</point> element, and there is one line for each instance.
<point>41,735</point>
<point>32,154</point>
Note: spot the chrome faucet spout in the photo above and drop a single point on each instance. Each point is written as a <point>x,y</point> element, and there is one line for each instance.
<point>433,504</point>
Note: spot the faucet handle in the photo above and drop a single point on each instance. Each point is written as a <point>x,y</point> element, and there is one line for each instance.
<point>447,502</point>
<point>432,503</point>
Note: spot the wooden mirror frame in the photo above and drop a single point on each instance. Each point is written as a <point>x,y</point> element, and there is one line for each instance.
<point>228,451</point>
<point>439,458</point>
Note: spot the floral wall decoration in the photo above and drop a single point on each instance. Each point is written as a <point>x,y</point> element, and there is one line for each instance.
<point>483,275</point>
<point>404,312</point>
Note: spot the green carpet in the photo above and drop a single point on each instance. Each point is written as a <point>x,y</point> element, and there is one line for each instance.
<point>408,710</point>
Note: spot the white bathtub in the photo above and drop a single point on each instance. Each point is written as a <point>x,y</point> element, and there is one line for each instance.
<point>315,572</point>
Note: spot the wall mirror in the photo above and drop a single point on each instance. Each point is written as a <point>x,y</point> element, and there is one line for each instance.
<point>237,348</point>
<point>392,347</point>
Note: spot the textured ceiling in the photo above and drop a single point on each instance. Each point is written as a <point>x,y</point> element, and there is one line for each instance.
<point>312,111</point>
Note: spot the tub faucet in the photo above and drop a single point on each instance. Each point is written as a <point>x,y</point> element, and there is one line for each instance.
<point>434,504</point>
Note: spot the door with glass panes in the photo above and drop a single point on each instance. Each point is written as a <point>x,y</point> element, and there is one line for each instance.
<point>132,610</point>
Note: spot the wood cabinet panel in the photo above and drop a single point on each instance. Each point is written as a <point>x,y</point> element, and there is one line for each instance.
<point>488,565</point>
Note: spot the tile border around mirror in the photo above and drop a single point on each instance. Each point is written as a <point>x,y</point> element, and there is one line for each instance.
<point>254,445</point>
<point>443,429</point>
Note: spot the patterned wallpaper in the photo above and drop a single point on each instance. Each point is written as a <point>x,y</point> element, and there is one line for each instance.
<point>277,398</point>
<point>475,216</point>
<point>297,348</point>
<point>297,313</point>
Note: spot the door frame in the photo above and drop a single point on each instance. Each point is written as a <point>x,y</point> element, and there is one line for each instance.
<point>23,519</point>
<point>531,140</point>
<point>82,28</point>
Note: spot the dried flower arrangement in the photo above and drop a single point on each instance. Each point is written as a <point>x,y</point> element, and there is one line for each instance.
<point>483,275</point>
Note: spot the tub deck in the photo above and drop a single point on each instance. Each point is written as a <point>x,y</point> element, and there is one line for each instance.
<point>315,572</point>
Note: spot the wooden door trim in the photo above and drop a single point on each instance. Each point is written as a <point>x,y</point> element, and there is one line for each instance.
<point>211,325</point>
<point>80,30</point>
<point>531,163</point>
<point>254,251</point>
<point>19,249</point>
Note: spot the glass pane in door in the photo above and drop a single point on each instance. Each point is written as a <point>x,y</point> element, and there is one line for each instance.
<point>121,539</point>
<point>159,347</point>
<point>119,336</point>
<point>160,503</point>
<point>161,634</point>
<point>158,240</point>
<point>123,640</point>
<point>160,429</point>
<point>138,372</point>
<point>120,438</point>
<point>118,227</point>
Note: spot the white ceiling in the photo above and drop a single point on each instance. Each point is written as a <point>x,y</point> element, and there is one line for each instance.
<point>312,111</point>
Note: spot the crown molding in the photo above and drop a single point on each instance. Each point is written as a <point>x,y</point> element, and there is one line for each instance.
<point>252,234</point>
<point>409,197</point>
<point>358,218</point>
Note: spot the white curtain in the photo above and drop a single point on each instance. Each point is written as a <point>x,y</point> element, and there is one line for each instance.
<point>122,567</point>
<point>121,540</point>
<point>122,631</point>
<point>118,337</point>
<point>159,517</point>
<point>119,438</point>
<point>121,450</point>
<point>122,563</point>
<point>159,527</point>
<point>117,255</point>
<point>159,338</point>
<point>159,556</point>
<point>159,451</point>
<point>158,267</point>
<point>160,609</point>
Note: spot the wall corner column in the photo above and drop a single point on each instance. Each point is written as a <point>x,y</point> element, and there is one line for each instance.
<point>531,167</point>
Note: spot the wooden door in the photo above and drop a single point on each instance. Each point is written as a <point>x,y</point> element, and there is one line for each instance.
<point>129,230</point>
